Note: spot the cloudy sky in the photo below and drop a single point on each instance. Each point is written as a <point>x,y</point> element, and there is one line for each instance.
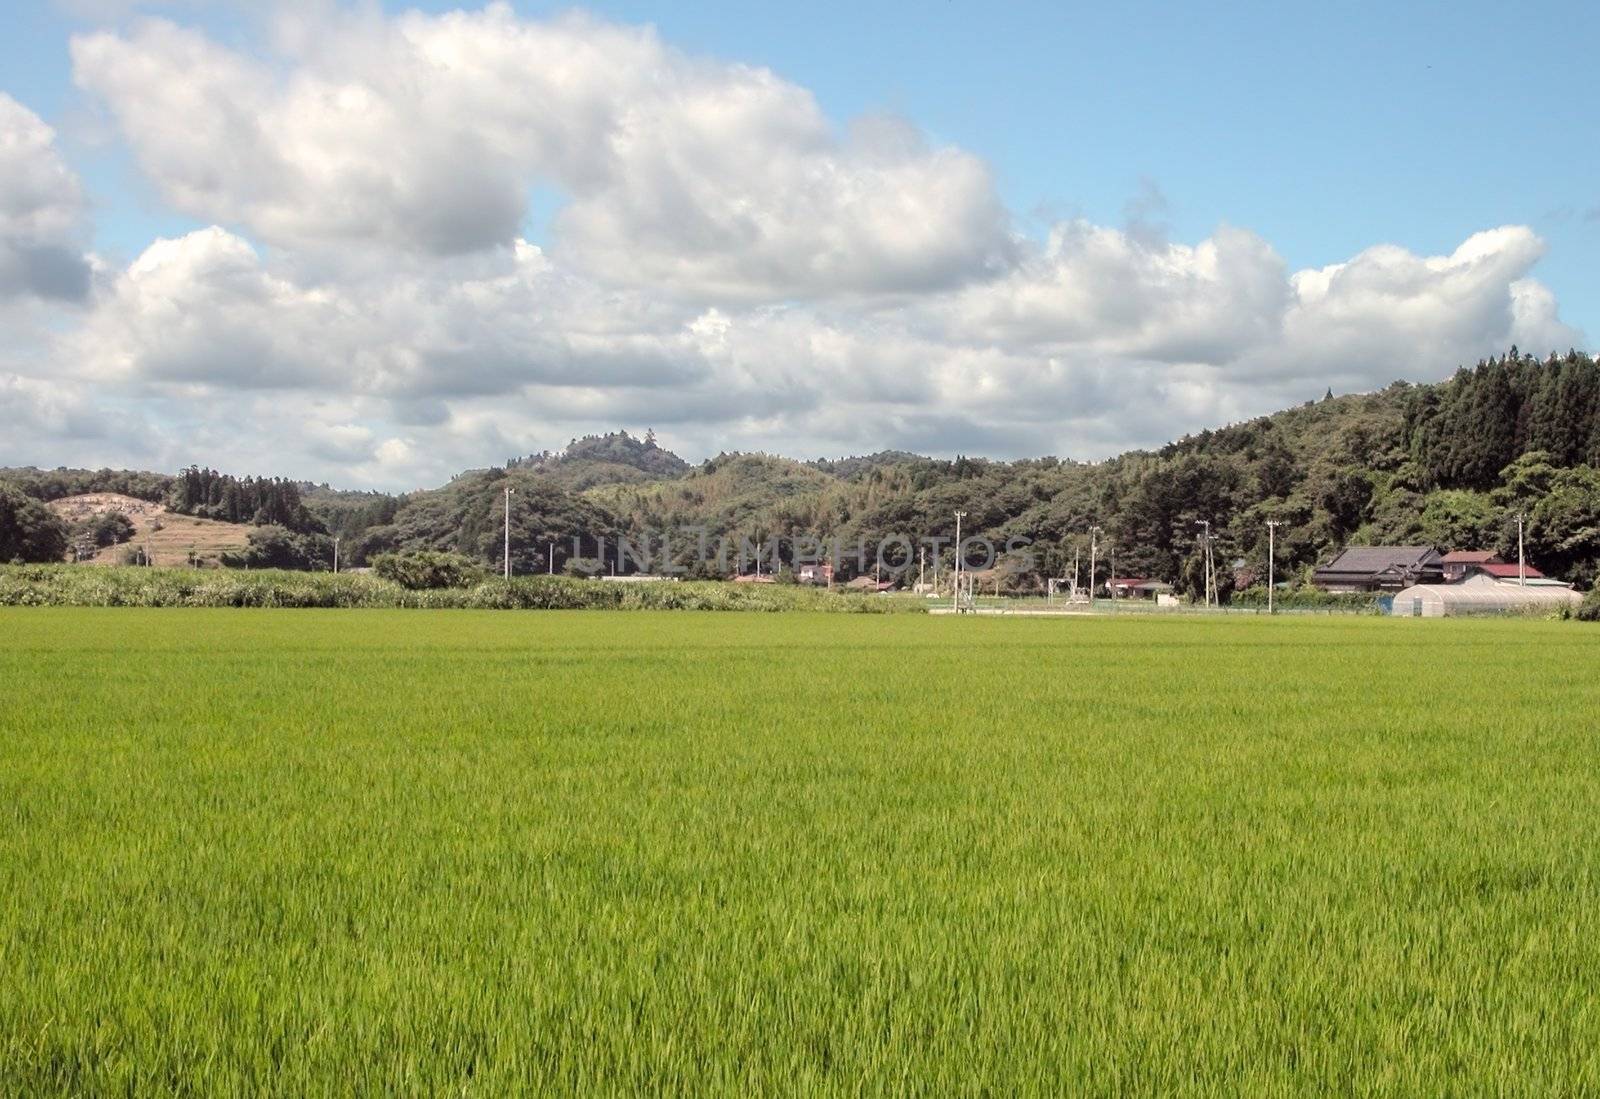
<point>376,245</point>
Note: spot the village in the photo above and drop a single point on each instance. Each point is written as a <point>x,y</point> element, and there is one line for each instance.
<point>1404,581</point>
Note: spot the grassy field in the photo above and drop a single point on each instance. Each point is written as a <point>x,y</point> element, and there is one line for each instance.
<point>413,852</point>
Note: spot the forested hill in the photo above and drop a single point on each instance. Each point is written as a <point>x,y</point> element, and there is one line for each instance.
<point>1448,464</point>
<point>612,458</point>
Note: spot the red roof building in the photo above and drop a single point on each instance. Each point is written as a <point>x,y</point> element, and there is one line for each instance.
<point>1502,571</point>
<point>1458,563</point>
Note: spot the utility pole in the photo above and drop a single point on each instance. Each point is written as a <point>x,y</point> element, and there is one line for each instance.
<point>922,568</point>
<point>1205,557</point>
<point>1076,574</point>
<point>509,491</point>
<point>550,570</point>
<point>336,556</point>
<point>1094,549</point>
<point>1112,583</point>
<point>1522,562</point>
<point>1272,530</point>
<point>758,559</point>
<point>960,515</point>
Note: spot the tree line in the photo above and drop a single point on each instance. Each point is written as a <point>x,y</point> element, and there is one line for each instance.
<point>1449,464</point>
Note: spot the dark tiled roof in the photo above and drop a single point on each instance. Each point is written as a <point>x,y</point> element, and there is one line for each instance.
<point>1371,559</point>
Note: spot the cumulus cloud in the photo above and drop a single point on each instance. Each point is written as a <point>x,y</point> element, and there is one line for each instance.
<point>1097,342</point>
<point>728,267</point>
<point>41,212</point>
<point>427,133</point>
<point>1374,317</point>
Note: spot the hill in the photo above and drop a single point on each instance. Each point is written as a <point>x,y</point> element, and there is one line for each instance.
<point>161,535</point>
<point>609,459</point>
<point>1449,464</point>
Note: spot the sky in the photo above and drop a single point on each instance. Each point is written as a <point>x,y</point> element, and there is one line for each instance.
<point>375,245</point>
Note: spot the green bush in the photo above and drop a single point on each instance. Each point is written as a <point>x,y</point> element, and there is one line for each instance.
<point>29,531</point>
<point>420,570</point>
<point>1305,598</point>
<point>108,528</point>
<point>101,586</point>
<point>1589,609</point>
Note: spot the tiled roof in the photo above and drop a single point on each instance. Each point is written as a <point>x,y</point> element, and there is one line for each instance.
<point>1508,572</point>
<point>1371,559</point>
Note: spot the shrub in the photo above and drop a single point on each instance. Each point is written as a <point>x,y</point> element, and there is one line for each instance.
<point>90,586</point>
<point>1589,609</point>
<point>29,531</point>
<point>420,570</point>
<point>1305,598</point>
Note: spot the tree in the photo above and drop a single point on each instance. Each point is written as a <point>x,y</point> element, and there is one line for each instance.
<point>29,531</point>
<point>420,569</point>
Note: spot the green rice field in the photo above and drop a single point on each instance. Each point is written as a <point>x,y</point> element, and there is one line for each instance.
<point>308,852</point>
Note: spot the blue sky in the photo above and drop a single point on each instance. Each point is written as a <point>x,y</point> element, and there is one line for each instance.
<point>1323,132</point>
<point>1323,127</point>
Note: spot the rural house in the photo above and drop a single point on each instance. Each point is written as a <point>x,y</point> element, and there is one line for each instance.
<point>1458,563</point>
<point>1380,568</point>
<point>813,573</point>
<point>1136,587</point>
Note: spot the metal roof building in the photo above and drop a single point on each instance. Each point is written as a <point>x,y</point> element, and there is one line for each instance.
<point>1483,595</point>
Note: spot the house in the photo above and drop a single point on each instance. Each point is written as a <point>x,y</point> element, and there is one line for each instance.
<point>1503,571</point>
<point>813,573</point>
<point>1136,587</point>
<point>867,583</point>
<point>1380,568</point>
<point>754,578</point>
<point>1458,563</point>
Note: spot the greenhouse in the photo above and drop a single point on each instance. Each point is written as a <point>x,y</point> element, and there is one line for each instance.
<point>1483,595</point>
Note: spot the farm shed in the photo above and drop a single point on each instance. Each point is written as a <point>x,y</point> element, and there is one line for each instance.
<point>1482,595</point>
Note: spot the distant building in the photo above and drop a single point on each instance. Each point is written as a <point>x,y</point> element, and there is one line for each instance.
<point>1136,587</point>
<point>814,574</point>
<point>1380,568</point>
<point>867,583</point>
<point>1458,563</point>
<point>753,578</point>
<point>1503,570</point>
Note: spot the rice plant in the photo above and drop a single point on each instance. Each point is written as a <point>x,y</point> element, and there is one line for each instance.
<point>399,852</point>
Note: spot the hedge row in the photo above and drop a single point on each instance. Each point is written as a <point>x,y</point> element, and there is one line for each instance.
<point>95,586</point>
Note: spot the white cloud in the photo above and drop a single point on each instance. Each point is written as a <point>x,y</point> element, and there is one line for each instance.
<point>1096,343</point>
<point>1375,317</point>
<point>41,212</point>
<point>427,132</point>
<point>728,268</point>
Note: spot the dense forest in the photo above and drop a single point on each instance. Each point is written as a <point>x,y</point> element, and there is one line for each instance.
<point>1449,465</point>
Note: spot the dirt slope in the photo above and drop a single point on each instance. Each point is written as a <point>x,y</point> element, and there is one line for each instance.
<point>167,536</point>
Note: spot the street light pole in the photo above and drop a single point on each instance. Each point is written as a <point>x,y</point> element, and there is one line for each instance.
<point>1112,583</point>
<point>1272,530</point>
<point>1094,552</point>
<point>1522,563</point>
<point>956,599</point>
<point>509,491</point>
